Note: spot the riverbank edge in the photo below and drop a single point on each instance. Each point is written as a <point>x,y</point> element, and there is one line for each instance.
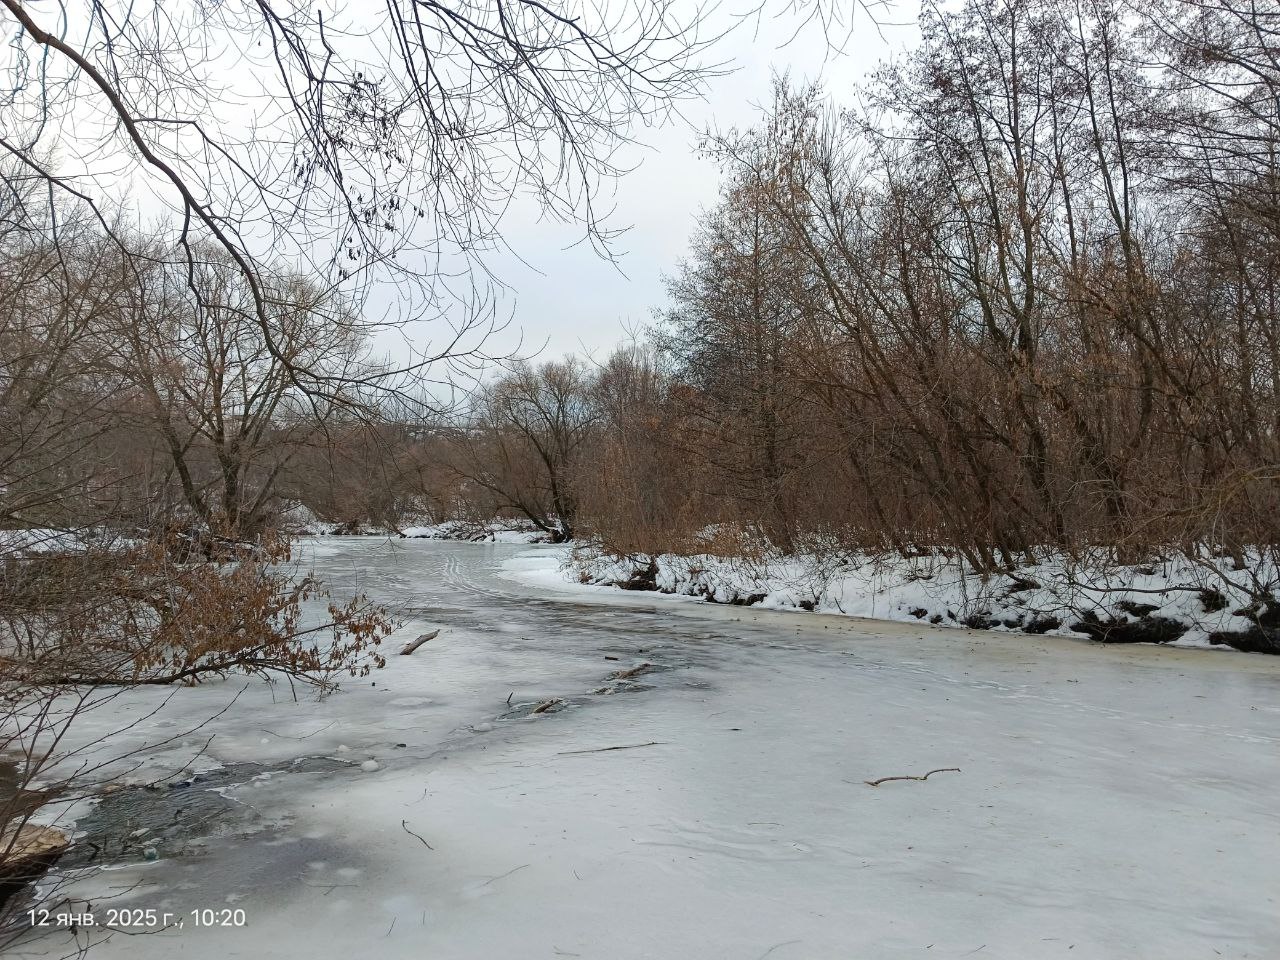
<point>1171,603</point>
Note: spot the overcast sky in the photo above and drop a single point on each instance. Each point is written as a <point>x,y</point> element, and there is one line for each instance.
<point>561,296</point>
<point>570,300</point>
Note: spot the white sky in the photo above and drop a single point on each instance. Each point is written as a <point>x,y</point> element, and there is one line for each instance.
<point>570,300</point>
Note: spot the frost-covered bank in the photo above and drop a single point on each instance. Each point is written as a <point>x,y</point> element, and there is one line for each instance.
<point>1174,601</point>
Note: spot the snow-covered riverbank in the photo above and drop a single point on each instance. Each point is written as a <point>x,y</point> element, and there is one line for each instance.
<point>1112,802</point>
<point>301,522</point>
<point>1173,602</point>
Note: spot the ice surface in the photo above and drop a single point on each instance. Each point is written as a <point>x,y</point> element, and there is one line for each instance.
<point>1112,802</point>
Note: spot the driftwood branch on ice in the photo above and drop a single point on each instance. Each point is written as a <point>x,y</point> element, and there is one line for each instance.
<point>413,645</point>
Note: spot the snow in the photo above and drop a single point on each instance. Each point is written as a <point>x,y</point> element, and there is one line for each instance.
<point>40,540</point>
<point>935,590</point>
<point>509,532</point>
<point>1113,802</point>
<point>301,521</point>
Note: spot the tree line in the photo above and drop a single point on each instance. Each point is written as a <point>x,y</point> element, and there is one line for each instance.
<point>1015,297</point>
<point>1019,299</point>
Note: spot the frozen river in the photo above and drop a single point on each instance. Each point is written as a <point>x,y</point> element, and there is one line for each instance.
<point>1111,802</point>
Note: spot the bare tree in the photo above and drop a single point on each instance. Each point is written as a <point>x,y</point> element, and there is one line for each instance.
<point>523,442</point>
<point>228,413</point>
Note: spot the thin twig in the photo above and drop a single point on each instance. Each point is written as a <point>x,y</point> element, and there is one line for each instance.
<point>308,736</point>
<point>876,783</point>
<point>625,746</point>
<point>405,824</point>
<point>777,946</point>
<point>504,875</point>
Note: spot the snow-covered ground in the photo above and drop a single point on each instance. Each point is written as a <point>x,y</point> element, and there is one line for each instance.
<point>1112,802</point>
<point>300,521</point>
<point>1175,601</point>
<point>508,532</point>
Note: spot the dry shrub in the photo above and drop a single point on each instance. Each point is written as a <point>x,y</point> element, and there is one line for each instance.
<point>140,613</point>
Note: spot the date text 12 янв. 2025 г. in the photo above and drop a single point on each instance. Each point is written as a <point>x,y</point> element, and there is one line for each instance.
<point>125,918</point>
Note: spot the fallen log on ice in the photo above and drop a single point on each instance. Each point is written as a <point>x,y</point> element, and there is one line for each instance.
<point>413,645</point>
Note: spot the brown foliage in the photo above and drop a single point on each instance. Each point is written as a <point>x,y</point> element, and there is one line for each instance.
<point>148,613</point>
